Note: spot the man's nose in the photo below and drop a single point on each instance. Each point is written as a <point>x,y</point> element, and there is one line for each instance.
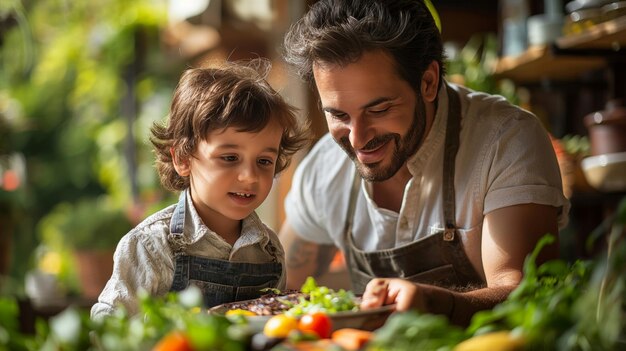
<point>360,133</point>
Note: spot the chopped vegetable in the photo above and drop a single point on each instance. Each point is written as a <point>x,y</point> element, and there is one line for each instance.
<point>351,339</point>
<point>323,299</point>
<point>174,341</point>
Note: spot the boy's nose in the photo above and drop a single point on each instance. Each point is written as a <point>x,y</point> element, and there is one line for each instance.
<point>248,174</point>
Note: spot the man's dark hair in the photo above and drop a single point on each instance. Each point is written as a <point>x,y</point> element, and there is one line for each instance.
<point>341,31</point>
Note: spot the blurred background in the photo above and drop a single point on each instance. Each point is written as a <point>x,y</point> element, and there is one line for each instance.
<point>81,82</point>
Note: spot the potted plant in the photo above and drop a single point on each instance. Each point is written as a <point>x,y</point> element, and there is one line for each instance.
<point>90,229</point>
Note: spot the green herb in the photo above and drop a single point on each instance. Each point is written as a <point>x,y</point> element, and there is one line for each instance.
<point>415,331</point>
<point>323,299</point>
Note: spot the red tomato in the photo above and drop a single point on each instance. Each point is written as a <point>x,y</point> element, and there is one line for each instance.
<point>317,322</point>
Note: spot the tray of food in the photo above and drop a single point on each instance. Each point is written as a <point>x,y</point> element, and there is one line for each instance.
<point>341,306</point>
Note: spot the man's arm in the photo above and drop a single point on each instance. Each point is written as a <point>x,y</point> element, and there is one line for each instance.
<point>303,258</point>
<point>509,235</point>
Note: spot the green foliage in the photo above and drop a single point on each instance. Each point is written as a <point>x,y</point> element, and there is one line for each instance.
<point>559,306</point>
<point>73,330</point>
<point>10,339</point>
<point>416,331</point>
<point>576,145</point>
<point>90,223</point>
<point>541,306</point>
<point>474,65</point>
<point>66,74</point>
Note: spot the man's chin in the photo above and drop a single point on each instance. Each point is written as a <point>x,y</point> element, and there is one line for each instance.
<point>373,172</point>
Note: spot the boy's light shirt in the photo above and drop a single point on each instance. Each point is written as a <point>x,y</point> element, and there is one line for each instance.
<point>144,259</point>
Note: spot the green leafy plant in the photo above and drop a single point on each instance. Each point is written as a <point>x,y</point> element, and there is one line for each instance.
<point>561,306</point>
<point>578,146</point>
<point>73,330</point>
<point>474,65</point>
<point>85,79</point>
<point>88,224</point>
<point>10,337</point>
<point>416,331</point>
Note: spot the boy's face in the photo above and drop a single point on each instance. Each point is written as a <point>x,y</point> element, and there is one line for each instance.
<point>231,173</point>
<point>372,113</point>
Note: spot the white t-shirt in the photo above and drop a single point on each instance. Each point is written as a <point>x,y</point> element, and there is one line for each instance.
<point>505,158</point>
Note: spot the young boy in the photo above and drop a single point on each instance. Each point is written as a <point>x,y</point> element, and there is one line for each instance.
<point>229,134</point>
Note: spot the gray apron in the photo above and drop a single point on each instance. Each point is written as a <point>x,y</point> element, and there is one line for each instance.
<point>220,281</point>
<point>437,259</point>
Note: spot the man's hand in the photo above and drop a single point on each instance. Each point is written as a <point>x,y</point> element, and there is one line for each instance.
<point>386,291</point>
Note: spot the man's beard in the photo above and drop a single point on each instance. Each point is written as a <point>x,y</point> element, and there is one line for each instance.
<point>404,147</point>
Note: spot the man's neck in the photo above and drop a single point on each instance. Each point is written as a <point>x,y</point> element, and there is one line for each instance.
<point>389,193</point>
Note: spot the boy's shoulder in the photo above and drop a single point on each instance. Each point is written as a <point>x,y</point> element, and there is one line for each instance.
<point>157,222</point>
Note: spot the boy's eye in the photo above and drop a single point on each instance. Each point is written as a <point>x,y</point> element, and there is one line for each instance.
<point>229,158</point>
<point>266,162</point>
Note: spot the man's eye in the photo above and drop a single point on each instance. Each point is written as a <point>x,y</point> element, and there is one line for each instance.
<point>229,158</point>
<point>337,115</point>
<point>379,110</point>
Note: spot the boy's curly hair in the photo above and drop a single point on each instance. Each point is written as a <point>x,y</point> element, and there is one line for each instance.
<point>207,99</point>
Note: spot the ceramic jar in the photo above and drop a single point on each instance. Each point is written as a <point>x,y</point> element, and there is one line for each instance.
<point>607,128</point>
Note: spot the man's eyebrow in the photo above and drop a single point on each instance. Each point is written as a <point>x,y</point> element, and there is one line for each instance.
<point>376,102</point>
<point>367,105</point>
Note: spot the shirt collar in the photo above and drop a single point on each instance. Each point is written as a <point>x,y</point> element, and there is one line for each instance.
<point>252,229</point>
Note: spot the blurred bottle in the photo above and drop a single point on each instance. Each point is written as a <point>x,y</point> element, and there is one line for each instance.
<point>514,14</point>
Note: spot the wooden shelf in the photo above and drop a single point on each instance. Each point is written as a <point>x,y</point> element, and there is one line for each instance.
<point>540,62</point>
<point>607,35</point>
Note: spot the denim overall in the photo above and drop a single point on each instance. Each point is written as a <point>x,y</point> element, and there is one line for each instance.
<point>437,259</point>
<point>220,281</point>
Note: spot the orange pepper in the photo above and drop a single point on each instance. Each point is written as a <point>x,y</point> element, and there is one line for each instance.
<point>173,341</point>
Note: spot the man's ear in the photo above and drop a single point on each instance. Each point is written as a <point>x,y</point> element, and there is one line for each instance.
<point>430,82</point>
<point>181,166</point>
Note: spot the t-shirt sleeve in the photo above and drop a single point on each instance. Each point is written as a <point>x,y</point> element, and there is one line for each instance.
<point>522,168</point>
<point>305,202</point>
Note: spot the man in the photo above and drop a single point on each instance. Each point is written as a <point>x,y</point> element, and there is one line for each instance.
<point>434,193</point>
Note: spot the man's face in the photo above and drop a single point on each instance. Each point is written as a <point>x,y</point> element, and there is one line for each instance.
<point>373,114</point>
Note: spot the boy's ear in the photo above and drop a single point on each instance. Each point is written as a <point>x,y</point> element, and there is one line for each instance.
<point>181,166</point>
<point>430,82</point>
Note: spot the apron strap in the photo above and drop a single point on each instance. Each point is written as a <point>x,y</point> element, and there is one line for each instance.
<point>453,128</point>
<point>356,181</point>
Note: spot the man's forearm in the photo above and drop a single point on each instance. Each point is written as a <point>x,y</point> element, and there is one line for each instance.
<point>459,307</point>
<point>304,258</point>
